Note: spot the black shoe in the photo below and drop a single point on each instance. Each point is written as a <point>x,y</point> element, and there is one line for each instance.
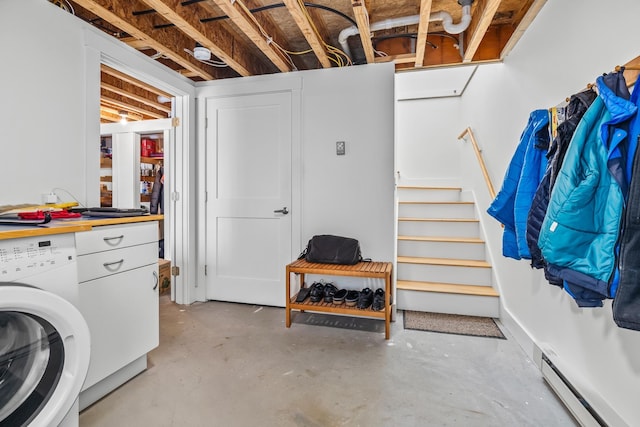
<point>329,292</point>
<point>378,300</point>
<point>365,299</point>
<point>338,297</point>
<point>317,292</point>
<point>352,298</point>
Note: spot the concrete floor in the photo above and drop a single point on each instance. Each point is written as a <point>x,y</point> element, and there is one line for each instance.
<point>222,364</point>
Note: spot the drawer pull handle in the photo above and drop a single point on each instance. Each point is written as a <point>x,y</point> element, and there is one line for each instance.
<point>155,276</point>
<point>108,265</point>
<point>108,240</point>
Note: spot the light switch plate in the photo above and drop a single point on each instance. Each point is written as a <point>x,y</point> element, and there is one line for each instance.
<point>340,148</point>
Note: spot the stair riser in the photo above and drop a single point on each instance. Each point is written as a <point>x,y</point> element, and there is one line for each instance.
<point>412,248</point>
<point>411,195</point>
<point>468,305</point>
<point>445,274</point>
<point>436,210</point>
<point>438,229</point>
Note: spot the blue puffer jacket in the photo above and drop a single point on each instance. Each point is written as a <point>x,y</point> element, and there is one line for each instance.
<point>578,105</point>
<point>580,230</point>
<point>526,169</point>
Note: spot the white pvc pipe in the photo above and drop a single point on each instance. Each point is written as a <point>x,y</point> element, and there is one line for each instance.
<point>387,24</point>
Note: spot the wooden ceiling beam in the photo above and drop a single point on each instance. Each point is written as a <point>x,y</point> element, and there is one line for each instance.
<point>124,104</point>
<point>135,82</point>
<point>135,43</point>
<point>240,15</point>
<point>170,42</point>
<point>114,113</point>
<point>217,39</point>
<point>529,11</point>
<point>362,19</point>
<point>423,30</point>
<point>302,19</point>
<point>481,19</point>
<point>132,92</point>
<point>404,58</point>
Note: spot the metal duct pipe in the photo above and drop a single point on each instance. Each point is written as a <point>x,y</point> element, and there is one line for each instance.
<point>387,24</point>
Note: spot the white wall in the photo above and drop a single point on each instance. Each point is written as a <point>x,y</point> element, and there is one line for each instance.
<point>50,79</point>
<point>350,195</point>
<point>428,151</point>
<point>42,116</point>
<point>568,45</point>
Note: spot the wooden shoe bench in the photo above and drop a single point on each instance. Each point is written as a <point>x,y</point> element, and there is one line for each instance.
<point>376,270</point>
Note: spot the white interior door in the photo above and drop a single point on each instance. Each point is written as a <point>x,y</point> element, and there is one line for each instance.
<point>249,193</point>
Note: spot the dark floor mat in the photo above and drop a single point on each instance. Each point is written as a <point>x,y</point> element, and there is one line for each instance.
<point>452,324</point>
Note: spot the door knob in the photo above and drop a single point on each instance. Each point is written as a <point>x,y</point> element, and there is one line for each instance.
<point>283,211</point>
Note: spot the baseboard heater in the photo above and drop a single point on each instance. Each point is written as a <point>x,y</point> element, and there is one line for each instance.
<point>582,411</point>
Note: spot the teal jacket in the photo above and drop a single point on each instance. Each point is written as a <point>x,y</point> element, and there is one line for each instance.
<point>581,227</point>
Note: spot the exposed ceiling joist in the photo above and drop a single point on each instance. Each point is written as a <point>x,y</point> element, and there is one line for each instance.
<point>481,19</point>
<point>217,39</point>
<point>135,82</point>
<point>423,29</point>
<point>112,114</point>
<point>129,92</point>
<point>170,42</point>
<point>255,37</point>
<point>123,104</point>
<point>302,19</point>
<point>362,18</point>
<point>404,58</point>
<point>135,43</point>
<point>238,12</point>
<point>528,12</point>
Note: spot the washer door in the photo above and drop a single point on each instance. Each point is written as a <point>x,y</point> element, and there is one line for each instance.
<point>44,356</point>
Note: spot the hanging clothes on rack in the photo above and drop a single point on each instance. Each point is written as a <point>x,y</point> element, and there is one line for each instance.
<point>580,230</point>
<point>578,105</point>
<point>626,305</point>
<point>526,169</point>
<point>157,193</point>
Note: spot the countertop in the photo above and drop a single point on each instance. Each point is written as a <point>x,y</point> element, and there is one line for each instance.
<point>68,226</point>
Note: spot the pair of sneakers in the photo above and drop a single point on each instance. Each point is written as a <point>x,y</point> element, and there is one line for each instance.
<point>369,298</point>
<point>322,291</point>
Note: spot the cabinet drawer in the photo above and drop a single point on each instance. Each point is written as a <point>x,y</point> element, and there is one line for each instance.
<point>110,237</point>
<point>101,264</point>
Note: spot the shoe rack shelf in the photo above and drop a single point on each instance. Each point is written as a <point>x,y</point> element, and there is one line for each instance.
<point>376,270</point>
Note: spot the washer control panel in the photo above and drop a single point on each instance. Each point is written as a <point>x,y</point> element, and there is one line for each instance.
<point>24,257</point>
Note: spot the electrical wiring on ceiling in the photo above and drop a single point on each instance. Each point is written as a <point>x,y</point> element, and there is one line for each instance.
<point>267,37</point>
<point>335,55</point>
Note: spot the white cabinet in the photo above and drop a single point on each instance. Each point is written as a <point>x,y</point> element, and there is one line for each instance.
<point>118,296</point>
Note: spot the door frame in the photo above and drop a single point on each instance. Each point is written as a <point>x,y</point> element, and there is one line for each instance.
<point>239,87</point>
<point>101,48</point>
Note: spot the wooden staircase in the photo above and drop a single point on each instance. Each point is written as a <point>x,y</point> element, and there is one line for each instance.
<point>441,264</point>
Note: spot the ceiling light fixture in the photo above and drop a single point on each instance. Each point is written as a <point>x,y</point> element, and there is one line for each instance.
<point>201,53</point>
<point>123,117</point>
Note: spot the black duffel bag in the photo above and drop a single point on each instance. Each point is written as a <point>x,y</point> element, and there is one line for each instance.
<point>328,249</point>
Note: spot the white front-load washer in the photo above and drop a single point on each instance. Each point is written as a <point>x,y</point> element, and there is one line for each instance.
<point>44,340</point>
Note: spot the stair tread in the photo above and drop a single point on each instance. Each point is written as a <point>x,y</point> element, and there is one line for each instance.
<point>420,187</point>
<point>439,219</point>
<point>442,239</point>
<point>444,261</point>
<point>450,288</point>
